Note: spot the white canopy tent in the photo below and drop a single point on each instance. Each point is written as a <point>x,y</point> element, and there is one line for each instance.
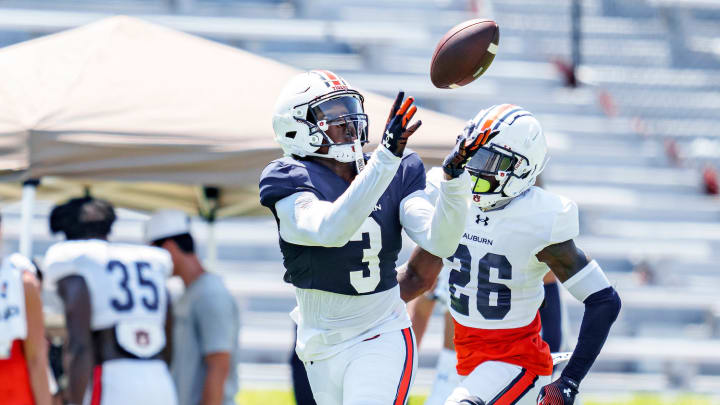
<point>148,115</point>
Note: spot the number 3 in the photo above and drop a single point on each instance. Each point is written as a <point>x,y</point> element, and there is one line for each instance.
<point>369,233</point>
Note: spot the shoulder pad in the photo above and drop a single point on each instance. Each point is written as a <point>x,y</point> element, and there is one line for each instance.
<point>281,178</point>
<point>565,224</point>
<point>60,261</point>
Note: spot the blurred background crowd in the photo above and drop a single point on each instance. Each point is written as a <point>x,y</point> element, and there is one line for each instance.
<point>628,92</point>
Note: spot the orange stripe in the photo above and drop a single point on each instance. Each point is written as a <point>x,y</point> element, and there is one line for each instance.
<point>489,121</point>
<point>404,386</point>
<point>97,386</point>
<point>331,76</point>
<point>517,390</point>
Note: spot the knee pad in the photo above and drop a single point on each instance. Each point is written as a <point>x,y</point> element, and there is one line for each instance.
<point>471,401</point>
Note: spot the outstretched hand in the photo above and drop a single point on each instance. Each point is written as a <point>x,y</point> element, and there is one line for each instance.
<point>467,144</point>
<point>396,128</point>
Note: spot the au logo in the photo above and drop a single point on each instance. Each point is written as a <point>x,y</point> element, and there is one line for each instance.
<point>142,338</point>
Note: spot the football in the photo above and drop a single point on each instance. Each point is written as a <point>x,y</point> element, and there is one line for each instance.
<point>464,53</point>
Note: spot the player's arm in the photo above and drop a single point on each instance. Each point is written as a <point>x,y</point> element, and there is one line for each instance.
<point>35,345</point>
<point>76,297</point>
<point>437,225</point>
<point>306,220</point>
<point>585,280</point>
<point>418,274</point>
<point>435,217</point>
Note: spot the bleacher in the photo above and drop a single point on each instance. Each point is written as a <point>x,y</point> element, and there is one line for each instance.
<point>650,73</point>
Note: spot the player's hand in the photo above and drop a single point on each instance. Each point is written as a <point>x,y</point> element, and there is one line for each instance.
<point>396,128</point>
<point>467,144</point>
<point>560,392</point>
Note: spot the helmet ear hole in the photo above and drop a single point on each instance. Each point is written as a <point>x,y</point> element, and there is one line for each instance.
<point>291,134</point>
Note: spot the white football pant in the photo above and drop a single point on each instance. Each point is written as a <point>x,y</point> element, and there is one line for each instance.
<point>376,371</point>
<point>500,383</point>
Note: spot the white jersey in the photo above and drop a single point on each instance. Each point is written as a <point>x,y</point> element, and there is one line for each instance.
<point>495,280</point>
<point>13,323</point>
<point>126,284</point>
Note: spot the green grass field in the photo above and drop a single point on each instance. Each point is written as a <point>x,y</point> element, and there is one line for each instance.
<point>279,397</point>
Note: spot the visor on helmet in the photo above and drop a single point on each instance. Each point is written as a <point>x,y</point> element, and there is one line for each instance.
<point>345,111</point>
<point>492,161</point>
<point>337,107</point>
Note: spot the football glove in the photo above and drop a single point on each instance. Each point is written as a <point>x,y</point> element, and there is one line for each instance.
<point>396,130</point>
<point>467,144</point>
<point>560,392</point>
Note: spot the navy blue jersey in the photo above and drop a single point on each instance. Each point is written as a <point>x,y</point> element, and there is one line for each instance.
<point>347,269</point>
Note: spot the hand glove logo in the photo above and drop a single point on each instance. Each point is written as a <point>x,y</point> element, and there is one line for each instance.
<point>387,140</point>
<point>567,392</point>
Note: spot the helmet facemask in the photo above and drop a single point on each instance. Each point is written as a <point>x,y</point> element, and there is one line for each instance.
<point>344,111</point>
<point>498,163</point>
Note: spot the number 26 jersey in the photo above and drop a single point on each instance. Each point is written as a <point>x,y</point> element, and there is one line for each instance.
<point>495,279</point>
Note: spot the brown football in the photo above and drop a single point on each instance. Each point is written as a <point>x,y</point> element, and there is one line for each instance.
<point>464,53</point>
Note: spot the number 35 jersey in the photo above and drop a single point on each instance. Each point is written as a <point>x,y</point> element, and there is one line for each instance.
<point>126,284</point>
<point>495,280</point>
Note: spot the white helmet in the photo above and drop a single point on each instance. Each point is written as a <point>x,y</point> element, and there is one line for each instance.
<point>514,154</point>
<point>308,105</point>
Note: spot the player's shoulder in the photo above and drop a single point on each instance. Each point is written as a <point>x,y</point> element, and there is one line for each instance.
<point>63,259</point>
<point>558,212</point>
<point>72,250</point>
<point>537,200</point>
<point>281,178</point>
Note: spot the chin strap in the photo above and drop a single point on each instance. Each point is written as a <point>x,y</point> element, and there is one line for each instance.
<point>359,158</point>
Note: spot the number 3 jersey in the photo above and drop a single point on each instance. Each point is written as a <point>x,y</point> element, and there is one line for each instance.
<point>126,284</point>
<point>346,292</point>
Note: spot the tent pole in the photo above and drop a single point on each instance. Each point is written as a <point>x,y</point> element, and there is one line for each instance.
<point>26,216</point>
<point>212,249</point>
<point>209,206</point>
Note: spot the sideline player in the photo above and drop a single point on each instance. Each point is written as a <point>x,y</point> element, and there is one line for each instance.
<point>23,349</point>
<point>116,308</point>
<point>517,233</point>
<point>339,218</point>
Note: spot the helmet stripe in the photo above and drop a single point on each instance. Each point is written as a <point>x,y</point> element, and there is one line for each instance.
<point>519,112</point>
<point>331,77</point>
<point>322,76</point>
<point>499,110</point>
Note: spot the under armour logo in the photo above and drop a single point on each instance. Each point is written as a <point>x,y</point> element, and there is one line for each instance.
<point>567,392</point>
<point>484,221</point>
<point>388,138</point>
